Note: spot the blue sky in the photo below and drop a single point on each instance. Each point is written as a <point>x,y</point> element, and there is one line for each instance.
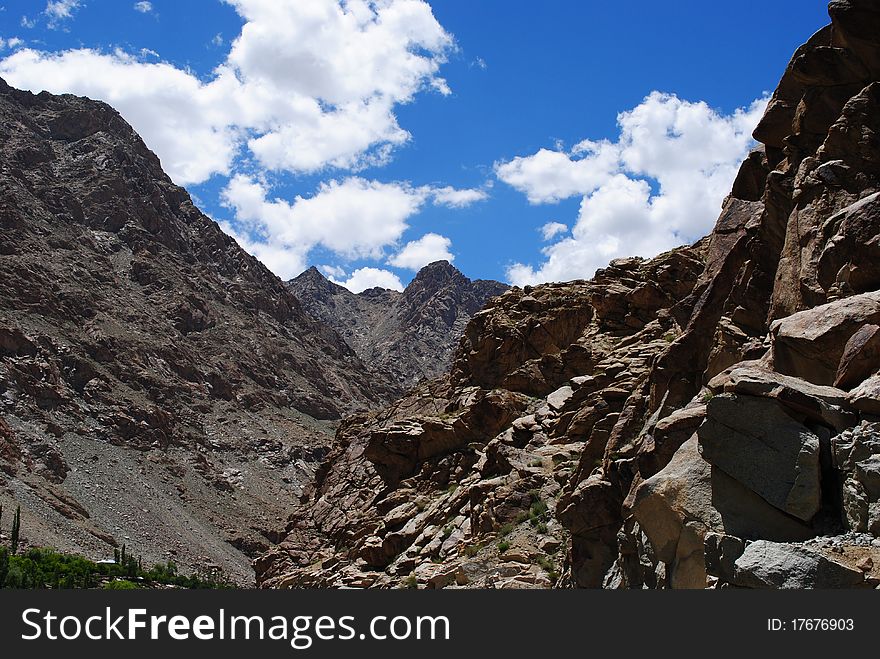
<point>367,138</point>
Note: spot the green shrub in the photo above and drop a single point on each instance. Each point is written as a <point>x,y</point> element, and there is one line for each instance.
<point>549,567</point>
<point>121,584</point>
<point>503,546</point>
<point>472,550</point>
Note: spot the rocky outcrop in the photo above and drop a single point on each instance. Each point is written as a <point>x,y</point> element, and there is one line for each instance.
<point>458,483</point>
<point>144,356</point>
<point>703,419</point>
<point>408,336</point>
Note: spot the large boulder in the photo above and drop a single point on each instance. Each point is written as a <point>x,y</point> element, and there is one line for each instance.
<point>817,403</point>
<point>866,397</point>
<point>754,441</point>
<point>809,344</point>
<point>689,498</point>
<point>777,565</point>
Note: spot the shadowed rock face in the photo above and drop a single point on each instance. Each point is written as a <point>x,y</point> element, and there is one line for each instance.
<point>601,457</point>
<point>406,336</point>
<point>147,363</point>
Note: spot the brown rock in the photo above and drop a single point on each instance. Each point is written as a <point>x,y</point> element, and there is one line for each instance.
<point>810,344</point>
<point>866,397</point>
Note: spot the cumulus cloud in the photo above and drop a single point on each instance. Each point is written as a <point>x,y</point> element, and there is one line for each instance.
<point>143,7</point>
<point>549,176</point>
<point>364,278</point>
<point>552,229</point>
<point>687,151</point>
<point>418,253</point>
<point>354,218</point>
<point>458,198</point>
<point>305,86</point>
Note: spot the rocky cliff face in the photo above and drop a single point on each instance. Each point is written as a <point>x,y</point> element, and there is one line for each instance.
<point>709,418</point>
<point>406,336</point>
<point>157,384</point>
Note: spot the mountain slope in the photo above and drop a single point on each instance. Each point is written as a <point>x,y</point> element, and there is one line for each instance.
<point>406,336</point>
<point>157,383</point>
<point>708,418</point>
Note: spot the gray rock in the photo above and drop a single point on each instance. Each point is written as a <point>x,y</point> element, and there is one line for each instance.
<point>868,474</point>
<point>689,498</point>
<point>855,505</point>
<point>818,403</point>
<point>560,397</point>
<point>855,444</point>
<point>721,554</point>
<point>755,442</point>
<point>767,564</point>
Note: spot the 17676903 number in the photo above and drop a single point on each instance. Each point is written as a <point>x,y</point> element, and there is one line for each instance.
<point>810,624</point>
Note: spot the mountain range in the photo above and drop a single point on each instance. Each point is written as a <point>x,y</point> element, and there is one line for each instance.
<point>160,387</point>
<point>707,418</point>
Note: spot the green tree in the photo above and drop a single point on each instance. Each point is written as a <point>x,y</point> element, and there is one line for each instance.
<point>16,527</point>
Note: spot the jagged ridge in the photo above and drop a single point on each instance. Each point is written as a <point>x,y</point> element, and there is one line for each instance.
<point>614,433</point>
<point>407,336</point>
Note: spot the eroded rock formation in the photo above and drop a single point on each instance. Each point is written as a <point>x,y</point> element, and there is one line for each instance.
<point>705,418</point>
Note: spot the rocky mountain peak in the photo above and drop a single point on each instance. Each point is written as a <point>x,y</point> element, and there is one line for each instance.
<point>437,272</point>
<point>407,336</point>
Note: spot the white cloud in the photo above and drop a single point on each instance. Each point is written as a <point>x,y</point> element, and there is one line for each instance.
<point>354,218</point>
<point>418,253</point>
<point>550,176</point>
<point>143,7</point>
<point>305,85</point>
<point>690,152</point>
<point>28,22</point>
<point>218,40</point>
<point>364,278</point>
<point>332,271</point>
<point>58,11</point>
<point>552,229</point>
<point>455,198</point>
